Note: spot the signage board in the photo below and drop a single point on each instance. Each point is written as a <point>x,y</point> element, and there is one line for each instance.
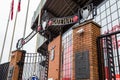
<point>63,20</point>
<point>82,69</point>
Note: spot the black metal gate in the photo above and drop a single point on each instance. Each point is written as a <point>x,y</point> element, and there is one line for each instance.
<point>31,66</point>
<point>4,71</point>
<point>35,64</point>
<point>109,56</point>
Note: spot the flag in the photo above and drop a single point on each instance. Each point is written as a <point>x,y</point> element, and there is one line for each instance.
<point>12,9</point>
<point>19,5</point>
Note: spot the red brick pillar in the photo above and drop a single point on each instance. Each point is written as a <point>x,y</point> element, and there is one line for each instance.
<point>54,49</point>
<point>16,65</point>
<point>85,50</point>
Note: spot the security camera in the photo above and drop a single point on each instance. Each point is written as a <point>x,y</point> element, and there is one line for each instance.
<point>80,31</point>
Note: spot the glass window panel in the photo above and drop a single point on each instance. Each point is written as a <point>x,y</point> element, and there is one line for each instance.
<point>118,4</point>
<point>115,52</point>
<point>102,8</point>
<point>113,8</point>
<point>110,31</point>
<point>98,11</point>
<point>103,30</point>
<point>115,22</point>
<point>115,61</point>
<point>109,26</point>
<point>106,62</point>
<point>114,16</point>
<point>118,39</point>
<point>108,11</point>
<point>107,4</point>
<point>98,18</point>
<point>108,19</point>
<point>112,2</point>
<point>103,15</point>
<point>104,22</point>
<point>117,70</point>
<point>119,13</point>
<point>105,55</point>
<point>105,27</point>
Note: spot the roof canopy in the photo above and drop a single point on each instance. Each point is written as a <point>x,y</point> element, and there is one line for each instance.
<point>61,8</point>
<point>64,8</point>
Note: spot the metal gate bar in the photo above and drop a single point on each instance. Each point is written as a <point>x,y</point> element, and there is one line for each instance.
<point>31,65</point>
<point>108,56</point>
<point>4,71</point>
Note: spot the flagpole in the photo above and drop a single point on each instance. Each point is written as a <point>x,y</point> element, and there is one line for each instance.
<point>5,36</point>
<point>13,33</point>
<point>26,19</point>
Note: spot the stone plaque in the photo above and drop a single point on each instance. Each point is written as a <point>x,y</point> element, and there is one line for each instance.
<point>82,69</point>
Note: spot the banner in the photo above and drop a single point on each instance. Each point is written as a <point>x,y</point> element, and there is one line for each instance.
<point>19,5</point>
<point>12,9</point>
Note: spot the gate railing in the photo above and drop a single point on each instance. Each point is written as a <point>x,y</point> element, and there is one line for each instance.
<point>109,56</point>
<point>4,71</point>
<point>31,65</point>
<point>35,64</point>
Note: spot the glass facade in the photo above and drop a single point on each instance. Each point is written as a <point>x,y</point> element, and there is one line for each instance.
<point>108,16</point>
<point>67,55</point>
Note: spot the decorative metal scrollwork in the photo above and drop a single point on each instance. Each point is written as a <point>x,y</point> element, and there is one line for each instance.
<point>23,41</point>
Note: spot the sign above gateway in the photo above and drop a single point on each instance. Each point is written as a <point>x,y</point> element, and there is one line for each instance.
<point>63,21</point>
<point>46,22</point>
<point>83,13</point>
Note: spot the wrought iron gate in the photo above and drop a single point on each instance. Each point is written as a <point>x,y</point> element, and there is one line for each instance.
<point>35,64</point>
<point>109,56</point>
<point>31,65</point>
<point>4,71</point>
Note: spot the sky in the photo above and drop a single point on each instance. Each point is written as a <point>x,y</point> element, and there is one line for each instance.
<point>4,13</point>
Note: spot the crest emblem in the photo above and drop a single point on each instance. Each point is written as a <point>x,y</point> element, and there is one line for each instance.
<point>52,53</point>
<point>45,19</point>
<point>85,12</point>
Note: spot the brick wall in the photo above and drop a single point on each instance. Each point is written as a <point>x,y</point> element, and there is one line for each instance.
<point>54,65</point>
<point>87,42</point>
<point>15,58</point>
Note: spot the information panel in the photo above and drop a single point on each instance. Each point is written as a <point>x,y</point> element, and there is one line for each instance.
<point>82,69</point>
